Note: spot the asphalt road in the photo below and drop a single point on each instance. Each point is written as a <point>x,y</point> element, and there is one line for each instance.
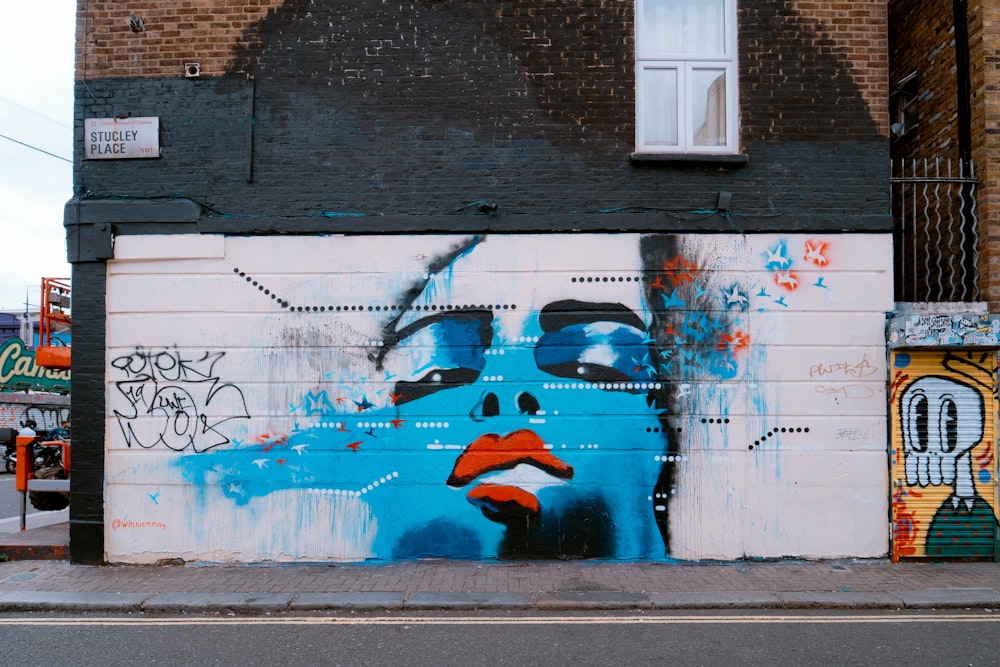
<point>631,638</point>
<point>10,499</point>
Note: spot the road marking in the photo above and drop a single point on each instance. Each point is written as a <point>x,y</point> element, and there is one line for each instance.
<point>505,620</point>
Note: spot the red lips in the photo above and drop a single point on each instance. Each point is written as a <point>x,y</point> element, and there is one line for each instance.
<point>491,453</point>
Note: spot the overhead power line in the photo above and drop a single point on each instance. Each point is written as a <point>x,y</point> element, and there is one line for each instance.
<point>35,148</point>
<point>35,112</point>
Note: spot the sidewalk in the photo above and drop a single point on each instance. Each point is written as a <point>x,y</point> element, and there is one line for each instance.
<point>57,585</point>
<point>46,537</point>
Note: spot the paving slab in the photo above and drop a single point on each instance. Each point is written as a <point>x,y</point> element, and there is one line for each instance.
<point>41,541</point>
<point>177,587</point>
<point>240,603</point>
<point>368,601</point>
<point>467,600</point>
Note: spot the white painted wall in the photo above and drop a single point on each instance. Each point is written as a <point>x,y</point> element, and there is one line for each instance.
<point>242,452</point>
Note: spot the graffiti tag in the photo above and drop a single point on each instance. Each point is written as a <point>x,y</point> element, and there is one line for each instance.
<point>45,417</point>
<point>854,391</point>
<point>120,524</point>
<point>861,369</point>
<point>174,393</point>
<point>854,434</point>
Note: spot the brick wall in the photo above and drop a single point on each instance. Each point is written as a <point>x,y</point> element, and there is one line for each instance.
<point>322,117</point>
<point>530,109</point>
<point>175,33</point>
<point>923,41</point>
<point>592,38</point>
<point>986,149</point>
<point>853,30</point>
<point>87,490</point>
<point>330,164</point>
<point>922,38</point>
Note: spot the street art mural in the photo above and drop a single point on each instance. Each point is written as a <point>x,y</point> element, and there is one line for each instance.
<point>944,464</point>
<point>46,410</point>
<point>511,397</point>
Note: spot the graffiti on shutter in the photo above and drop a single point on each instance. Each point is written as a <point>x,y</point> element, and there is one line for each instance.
<point>943,406</point>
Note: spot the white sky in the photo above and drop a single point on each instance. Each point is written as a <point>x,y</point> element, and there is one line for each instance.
<point>36,108</point>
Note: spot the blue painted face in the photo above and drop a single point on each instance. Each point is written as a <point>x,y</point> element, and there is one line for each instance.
<point>537,429</point>
<point>521,429</point>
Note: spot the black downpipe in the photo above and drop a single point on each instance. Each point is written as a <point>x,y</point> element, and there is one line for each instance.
<point>964,109</point>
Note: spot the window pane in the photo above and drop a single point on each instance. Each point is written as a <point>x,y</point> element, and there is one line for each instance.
<point>659,107</point>
<point>708,106</point>
<point>683,27</point>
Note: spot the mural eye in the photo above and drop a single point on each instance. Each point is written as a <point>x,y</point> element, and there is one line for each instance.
<point>587,372</point>
<point>440,352</point>
<point>434,381</point>
<point>949,425</point>
<point>596,352</point>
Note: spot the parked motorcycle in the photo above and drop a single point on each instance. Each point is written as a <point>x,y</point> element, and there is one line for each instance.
<point>8,439</point>
<point>10,459</point>
<point>47,456</point>
<point>49,465</point>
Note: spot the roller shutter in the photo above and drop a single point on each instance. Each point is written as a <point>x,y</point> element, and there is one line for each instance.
<point>943,408</point>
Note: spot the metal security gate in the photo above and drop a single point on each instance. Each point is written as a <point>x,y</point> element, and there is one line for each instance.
<point>943,454</point>
<point>936,238</point>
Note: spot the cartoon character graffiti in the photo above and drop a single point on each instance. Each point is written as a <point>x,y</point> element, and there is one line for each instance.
<point>942,421</point>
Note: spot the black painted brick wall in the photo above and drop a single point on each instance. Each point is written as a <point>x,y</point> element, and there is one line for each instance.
<point>419,110</point>
<point>87,479</point>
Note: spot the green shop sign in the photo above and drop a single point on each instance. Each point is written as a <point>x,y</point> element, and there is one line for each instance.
<point>19,372</point>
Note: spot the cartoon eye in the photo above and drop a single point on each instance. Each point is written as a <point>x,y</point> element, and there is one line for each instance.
<point>917,422</point>
<point>948,425</point>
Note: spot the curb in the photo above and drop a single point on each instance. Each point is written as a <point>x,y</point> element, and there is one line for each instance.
<point>35,551</point>
<point>274,603</point>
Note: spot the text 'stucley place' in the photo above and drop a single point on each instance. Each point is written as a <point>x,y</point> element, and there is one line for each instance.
<point>118,138</point>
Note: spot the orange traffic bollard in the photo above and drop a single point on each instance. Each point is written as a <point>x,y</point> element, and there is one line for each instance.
<point>25,460</point>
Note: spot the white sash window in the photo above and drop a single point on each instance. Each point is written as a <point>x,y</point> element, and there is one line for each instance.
<point>686,76</point>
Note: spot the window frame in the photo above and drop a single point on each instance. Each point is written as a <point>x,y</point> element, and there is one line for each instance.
<point>903,112</point>
<point>684,65</point>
